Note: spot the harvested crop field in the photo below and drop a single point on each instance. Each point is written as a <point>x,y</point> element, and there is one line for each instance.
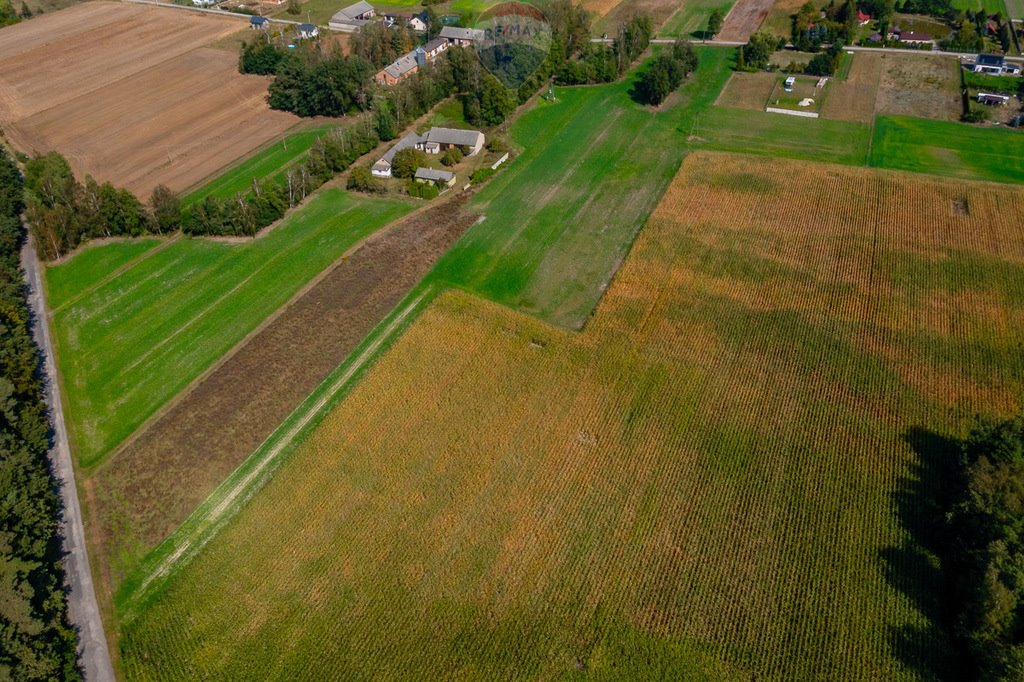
<point>920,85</point>
<point>722,476</point>
<point>853,99</point>
<point>743,19</point>
<point>131,95</point>
<point>149,487</point>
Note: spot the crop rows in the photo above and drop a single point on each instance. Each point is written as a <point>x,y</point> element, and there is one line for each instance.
<point>712,478</point>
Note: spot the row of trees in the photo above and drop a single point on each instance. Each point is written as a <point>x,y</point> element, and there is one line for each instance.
<point>598,63</point>
<point>64,213</point>
<point>984,549</point>
<point>36,640</point>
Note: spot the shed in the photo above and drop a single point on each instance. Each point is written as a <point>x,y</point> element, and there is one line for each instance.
<point>440,177</point>
<point>259,23</point>
<point>993,99</point>
<point>308,31</point>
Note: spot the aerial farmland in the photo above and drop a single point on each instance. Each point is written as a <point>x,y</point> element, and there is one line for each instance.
<point>699,361</point>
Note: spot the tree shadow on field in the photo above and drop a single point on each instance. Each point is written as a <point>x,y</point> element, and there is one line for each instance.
<point>915,567</point>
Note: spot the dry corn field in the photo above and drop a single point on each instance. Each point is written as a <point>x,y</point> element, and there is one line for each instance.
<point>712,479</point>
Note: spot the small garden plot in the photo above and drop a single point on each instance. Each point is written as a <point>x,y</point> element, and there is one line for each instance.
<point>747,90</point>
<point>992,98</point>
<point>804,95</point>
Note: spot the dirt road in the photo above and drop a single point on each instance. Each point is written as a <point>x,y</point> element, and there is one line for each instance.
<point>83,611</point>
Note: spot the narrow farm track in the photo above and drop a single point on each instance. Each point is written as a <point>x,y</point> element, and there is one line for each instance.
<point>152,485</point>
<point>83,610</point>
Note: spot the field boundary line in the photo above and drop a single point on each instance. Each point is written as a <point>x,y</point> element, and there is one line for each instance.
<point>234,492</point>
<point>164,243</point>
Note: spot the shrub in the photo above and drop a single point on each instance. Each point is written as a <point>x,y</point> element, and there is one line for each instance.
<point>361,180</point>
<point>452,156</point>
<point>406,162</point>
<point>481,175</point>
<point>423,190</point>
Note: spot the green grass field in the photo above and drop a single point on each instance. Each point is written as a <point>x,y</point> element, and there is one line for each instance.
<point>945,148</point>
<point>129,344</point>
<point>1015,9</point>
<point>990,7</point>
<point>691,19</point>
<point>269,162</point>
<point>719,478</point>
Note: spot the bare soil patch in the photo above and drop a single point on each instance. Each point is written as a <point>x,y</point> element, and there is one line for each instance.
<point>149,488</point>
<point>926,86</point>
<point>747,91</point>
<point>131,95</point>
<point>854,98</point>
<point>743,19</point>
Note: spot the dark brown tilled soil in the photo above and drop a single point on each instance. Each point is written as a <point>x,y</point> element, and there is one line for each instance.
<point>151,486</point>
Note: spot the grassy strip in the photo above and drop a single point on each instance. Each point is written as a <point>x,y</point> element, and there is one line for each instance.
<point>270,162</point>
<point>690,21</point>
<point>951,149</point>
<point>132,343</point>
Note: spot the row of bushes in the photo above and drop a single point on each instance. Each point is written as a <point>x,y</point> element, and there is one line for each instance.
<point>36,640</point>
<point>598,63</point>
<point>666,73</point>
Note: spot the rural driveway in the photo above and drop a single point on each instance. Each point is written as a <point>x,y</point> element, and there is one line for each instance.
<point>83,611</point>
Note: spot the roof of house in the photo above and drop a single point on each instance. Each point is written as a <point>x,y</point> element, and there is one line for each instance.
<point>408,140</point>
<point>457,33</point>
<point>912,36</point>
<point>306,28</point>
<point>258,20</point>
<point>990,60</point>
<point>467,138</point>
<point>434,44</point>
<point>861,16</point>
<point>402,65</point>
<point>432,174</point>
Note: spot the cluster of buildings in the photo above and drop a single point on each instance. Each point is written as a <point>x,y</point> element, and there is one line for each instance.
<point>434,141</point>
<point>410,63</point>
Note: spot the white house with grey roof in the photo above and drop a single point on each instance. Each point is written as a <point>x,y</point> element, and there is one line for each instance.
<point>438,177</point>
<point>434,141</point>
<point>349,19</point>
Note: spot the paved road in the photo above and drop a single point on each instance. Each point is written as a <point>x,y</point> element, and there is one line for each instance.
<point>83,611</point>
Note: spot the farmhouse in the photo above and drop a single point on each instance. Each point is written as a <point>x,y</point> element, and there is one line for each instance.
<point>259,23</point>
<point>401,68</point>
<point>434,48</point>
<point>434,141</point>
<point>307,31</point>
<point>349,19</point>
<point>462,37</point>
<point>995,65</point>
<point>439,177</point>
<point>993,99</point>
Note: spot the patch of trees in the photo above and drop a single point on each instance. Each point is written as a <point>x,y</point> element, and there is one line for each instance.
<point>7,14</point>
<point>985,557</point>
<point>598,63</point>
<point>380,45</point>
<point>715,20</point>
<point>361,180</point>
<point>825,63</point>
<point>260,56</point>
<point>310,83</point>
<point>36,640</point>
<point>965,38</point>
<point>666,73</point>
<point>64,213</point>
<point>756,54</point>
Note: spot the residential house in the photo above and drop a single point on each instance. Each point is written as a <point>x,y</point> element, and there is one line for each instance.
<point>462,37</point>
<point>913,38</point>
<point>307,31</point>
<point>434,48</point>
<point>438,177</point>
<point>398,70</point>
<point>863,19</point>
<point>418,22</point>
<point>995,65</point>
<point>349,19</point>
<point>434,141</point>
<point>259,23</point>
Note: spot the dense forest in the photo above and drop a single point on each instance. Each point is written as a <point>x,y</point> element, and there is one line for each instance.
<point>36,642</point>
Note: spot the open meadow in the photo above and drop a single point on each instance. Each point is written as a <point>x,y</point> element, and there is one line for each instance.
<point>132,94</point>
<point>136,330</point>
<point>722,476</point>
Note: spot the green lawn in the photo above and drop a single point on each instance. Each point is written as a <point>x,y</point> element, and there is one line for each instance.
<point>945,148</point>
<point>1015,9</point>
<point>989,6</point>
<point>132,342</point>
<point>691,19</point>
<point>270,161</point>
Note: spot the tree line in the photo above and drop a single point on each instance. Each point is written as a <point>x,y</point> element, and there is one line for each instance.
<point>36,640</point>
<point>666,72</point>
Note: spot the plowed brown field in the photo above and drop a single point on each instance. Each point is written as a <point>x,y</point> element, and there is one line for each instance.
<point>131,95</point>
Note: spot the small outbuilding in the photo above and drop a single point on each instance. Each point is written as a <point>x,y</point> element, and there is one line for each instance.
<point>259,23</point>
<point>350,19</point>
<point>993,99</point>
<point>463,37</point>
<point>307,31</point>
<point>438,177</point>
